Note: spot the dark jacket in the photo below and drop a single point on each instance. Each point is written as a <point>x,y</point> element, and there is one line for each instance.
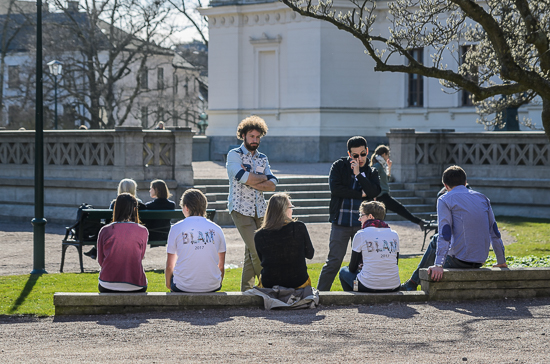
<point>159,229</point>
<point>283,255</point>
<point>340,179</point>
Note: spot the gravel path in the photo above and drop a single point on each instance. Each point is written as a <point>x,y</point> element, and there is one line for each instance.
<point>505,331</point>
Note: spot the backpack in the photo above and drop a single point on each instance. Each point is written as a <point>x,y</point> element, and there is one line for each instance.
<point>90,227</point>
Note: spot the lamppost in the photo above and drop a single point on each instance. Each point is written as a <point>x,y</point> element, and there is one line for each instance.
<point>39,223</point>
<point>55,69</point>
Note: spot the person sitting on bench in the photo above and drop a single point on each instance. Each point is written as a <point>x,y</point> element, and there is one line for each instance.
<point>467,229</point>
<point>126,185</point>
<point>120,249</point>
<point>158,229</point>
<point>195,249</point>
<point>374,254</point>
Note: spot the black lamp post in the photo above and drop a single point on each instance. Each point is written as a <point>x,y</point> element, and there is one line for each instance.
<point>39,223</point>
<point>55,69</point>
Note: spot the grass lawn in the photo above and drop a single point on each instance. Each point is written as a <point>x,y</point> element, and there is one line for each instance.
<point>33,294</point>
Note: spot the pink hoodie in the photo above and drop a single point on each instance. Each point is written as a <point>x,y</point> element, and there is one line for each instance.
<point>120,250</point>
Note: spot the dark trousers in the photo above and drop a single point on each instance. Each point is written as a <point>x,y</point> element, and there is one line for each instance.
<point>396,206</point>
<point>428,259</point>
<point>340,237</point>
<point>106,290</point>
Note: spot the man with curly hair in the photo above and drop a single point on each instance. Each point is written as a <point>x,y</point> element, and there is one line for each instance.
<point>249,175</point>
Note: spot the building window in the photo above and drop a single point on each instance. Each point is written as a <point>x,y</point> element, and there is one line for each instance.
<point>416,82</point>
<point>160,114</point>
<point>144,79</point>
<point>144,114</point>
<point>160,78</point>
<point>175,82</point>
<point>13,76</point>
<point>186,86</point>
<point>471,73</point>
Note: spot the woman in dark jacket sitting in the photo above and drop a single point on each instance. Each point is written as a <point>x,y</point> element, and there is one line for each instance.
<point>283,244</point>
<point>159,229</point>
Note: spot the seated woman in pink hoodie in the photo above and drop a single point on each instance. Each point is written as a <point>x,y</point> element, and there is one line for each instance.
<point>120,249</point>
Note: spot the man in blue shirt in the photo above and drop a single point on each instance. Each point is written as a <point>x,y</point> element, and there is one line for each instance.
<point>467,229</point>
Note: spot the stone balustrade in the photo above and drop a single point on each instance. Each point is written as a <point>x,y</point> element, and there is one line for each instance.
<point>511,168</point>
<point>86,166</point>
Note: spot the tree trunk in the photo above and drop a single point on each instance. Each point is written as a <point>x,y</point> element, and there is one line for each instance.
<point>545,115</point>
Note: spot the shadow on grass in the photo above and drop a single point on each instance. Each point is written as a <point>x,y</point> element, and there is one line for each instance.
<point>31,282</point>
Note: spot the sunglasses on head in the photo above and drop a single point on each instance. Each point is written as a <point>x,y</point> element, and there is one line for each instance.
<point>355,156</point>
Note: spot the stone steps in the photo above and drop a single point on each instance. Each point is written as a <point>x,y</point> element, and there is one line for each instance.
<point>311,196</point>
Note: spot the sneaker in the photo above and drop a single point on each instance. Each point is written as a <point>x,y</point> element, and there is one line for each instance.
<point>409,286</point>
<point>92,253</point>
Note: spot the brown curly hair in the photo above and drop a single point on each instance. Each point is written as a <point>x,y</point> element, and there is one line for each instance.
<point>253,122</point>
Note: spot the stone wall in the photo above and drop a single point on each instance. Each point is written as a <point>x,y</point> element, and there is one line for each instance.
<point>86,166</point>
<point>511,168</point>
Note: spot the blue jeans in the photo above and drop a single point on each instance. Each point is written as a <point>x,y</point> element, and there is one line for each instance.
<point>347,278</point>
<point>428,259</point>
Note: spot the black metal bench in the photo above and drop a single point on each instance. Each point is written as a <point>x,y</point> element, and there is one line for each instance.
<point>97,218</point>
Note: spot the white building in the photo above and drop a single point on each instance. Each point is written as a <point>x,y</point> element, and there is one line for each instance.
<point>314,85</point>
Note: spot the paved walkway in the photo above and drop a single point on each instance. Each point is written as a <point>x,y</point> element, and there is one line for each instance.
<point>217,169</point>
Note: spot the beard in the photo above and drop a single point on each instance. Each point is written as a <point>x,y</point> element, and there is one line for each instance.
<point>251,147</point>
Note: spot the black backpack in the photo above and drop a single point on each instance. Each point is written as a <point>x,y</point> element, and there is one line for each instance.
<point>90,227</point>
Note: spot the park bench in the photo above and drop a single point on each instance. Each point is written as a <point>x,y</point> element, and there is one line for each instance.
<point>456,285</point>
<point>75,235</point>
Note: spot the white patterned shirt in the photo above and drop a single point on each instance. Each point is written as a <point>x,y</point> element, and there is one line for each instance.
<point>242,198</point>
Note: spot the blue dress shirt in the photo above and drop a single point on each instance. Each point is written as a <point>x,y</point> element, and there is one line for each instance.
<point>467,227</point>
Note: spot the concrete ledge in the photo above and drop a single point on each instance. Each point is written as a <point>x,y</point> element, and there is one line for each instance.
<point>105,303</point>
<point>101,303</point>
<point>487,283</point>
<point>457,284</point>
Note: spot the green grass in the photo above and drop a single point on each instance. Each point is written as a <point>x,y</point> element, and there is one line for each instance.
<point>533,236</point>
<point>33,294</point>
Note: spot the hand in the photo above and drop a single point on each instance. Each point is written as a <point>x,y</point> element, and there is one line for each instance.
<point>503,265</point>
<point>360,266</point>
<point>435,272</point>
<point>363,194</point>
<point>389,163</point>
<point>355,166</point>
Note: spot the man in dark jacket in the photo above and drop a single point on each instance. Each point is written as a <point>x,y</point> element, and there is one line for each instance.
<point>351,182</point>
